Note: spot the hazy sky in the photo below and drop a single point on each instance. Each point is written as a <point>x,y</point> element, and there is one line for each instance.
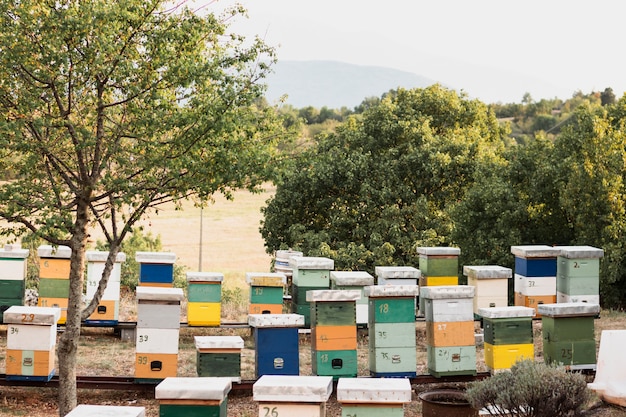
<point>495,50</point>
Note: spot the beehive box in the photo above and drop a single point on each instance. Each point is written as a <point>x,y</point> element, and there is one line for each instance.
<point>219,356</point>
<point>12,275</point>
<point>568,334</point>
<point>31,342</point>
<point>85,410</point>
<point>391,303</point>
<point>535,286</point>
<point>200,396</point>
<point>266,292</point>
<point>448,303</point>
<point>156,269</point>
<point>452,360</point>
<point>507,325</point>
<point>107,311</point>
<point>54,262</point>
<point>491,283</point>
<point>455,333</point>
<point>310,271</point>
<point>439,261</point>
<point>397,275</point>
<point>354,280</point>
<point>204,298</point>
<point>535,260</point>
<point>567,298</point>
<point>276,348</point>
<point>293,396</point>
<point>373,397</point>
<point>158,307</point>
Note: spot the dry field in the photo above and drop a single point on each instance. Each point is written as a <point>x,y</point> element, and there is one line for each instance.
<point>233,246</point>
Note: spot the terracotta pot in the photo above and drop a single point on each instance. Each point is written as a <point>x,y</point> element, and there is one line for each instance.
<point>446,403</point>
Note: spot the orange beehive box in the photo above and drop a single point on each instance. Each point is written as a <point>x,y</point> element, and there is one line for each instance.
<point>155,365</point>
<point>36,363</point>
<point>265,309</point>
<point>456,333</point>
<point>334,337</point>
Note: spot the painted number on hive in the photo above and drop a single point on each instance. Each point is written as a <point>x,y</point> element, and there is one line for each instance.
<point>142,360</point>
<point>566,353</point>
<point>28,318</point>
<point>384,308</point>
<point>143,338</point>
<point>270,412</point>
<point>14,330</point>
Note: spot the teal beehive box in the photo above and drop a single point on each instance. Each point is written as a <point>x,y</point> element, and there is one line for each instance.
<point>568,334</point>
<point>309,273</point>
<point>578,274</point>
<point>191,397</point>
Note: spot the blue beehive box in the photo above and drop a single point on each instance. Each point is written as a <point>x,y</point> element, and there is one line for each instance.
<point>276,343</point>
<point>156,268</point>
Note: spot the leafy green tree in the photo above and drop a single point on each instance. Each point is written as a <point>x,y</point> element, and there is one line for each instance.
<point>384,182</point>
<point>109,109</point>
<point>607,96</point>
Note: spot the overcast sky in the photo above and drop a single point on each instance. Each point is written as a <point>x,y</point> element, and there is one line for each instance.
<point>494,50</point>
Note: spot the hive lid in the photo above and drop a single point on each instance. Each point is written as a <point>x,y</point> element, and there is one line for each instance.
<point>374,291</point>
<point>39,316</point>
<point>266,278</point>
<point>332,295</point>
<point>287,254</point>
<point>580,252</point>
<point>49,251</point>
<point>438,251</point>
<point>14,251</point>
<point>568,309</point>
<point>205,277</point>
<point>193,388</point>
<point>276,320</point>
<point>311,262</point>
<point>159,294</point>
<point>155,257</point>
<point>218,342</point>
<point>85,410</point>
<point>351,278</point>
<point>447,292</point>
<point>487,272</point>
<point>101,256</point>
<point>506,312</point>
<point>391,272</point>
<point>535,251</point>
<point>374,390</point>
<point>293,388</point>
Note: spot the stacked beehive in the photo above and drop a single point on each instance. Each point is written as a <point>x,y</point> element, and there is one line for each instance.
<point>219,356</point>
<point>508,335</point>
<point>281,264</point>
<point>308,273</point>
<point>293,396</point>
<point>450,342</point>
<point>578,274</point>
<point>568,334</point>
<point>333,332</point>
<point>156,269</point>
<point>373,397</point>
<point>266,292</point>
<point>391,324</point>
<point>85,410</point>
<point>31,342</point>
<point>491,283</point>
<point>276,348</point>
<point>439,266</point>
<point>54,278</point>
<point>397,275</point>
<point>204,298</point>
<point>158,326</point>
<point>12,275</point>
<point>535,275</point>
<point>354,280</point>
<point>193,397</point>
<point>108,310</point>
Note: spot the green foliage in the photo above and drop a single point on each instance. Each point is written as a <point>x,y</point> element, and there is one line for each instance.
<point>531,389</point>
<point>233,296</point>
<point>382,184</point>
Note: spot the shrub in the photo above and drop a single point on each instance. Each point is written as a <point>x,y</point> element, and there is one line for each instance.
<point>531,390</point>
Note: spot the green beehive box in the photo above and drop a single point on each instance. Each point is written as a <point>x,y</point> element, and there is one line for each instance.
<point>13,289</point>
<point>439,266</point>
<point>335,363</point>
<point>311,277</point>
<point>218,364</point>
<point>380,410</point>
<point>392,310</point>
<point>176,410</point>
<point>449,361</point>
<point>54,288</point>
<point>508,331</point>
<point>204,293</point>
<point>578,267</point>
<point>392,360</point>
<point>266,295</point>
<point>570,353</point>
<point>567,329</point>
<point>298,293</point>
<point>336,313</point>
<point>575,285</point>
<point>384,335</point>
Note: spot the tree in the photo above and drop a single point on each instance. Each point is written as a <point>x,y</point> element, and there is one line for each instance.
<point>384,182</point>
<point>110,109</point>
<point>607,96</point>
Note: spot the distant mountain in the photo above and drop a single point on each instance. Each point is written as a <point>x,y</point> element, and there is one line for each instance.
<point>335,84</point>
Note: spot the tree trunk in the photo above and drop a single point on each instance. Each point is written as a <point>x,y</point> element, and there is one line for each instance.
<point>68,343</point>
